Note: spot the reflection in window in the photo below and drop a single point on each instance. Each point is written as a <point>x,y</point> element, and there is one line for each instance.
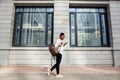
<point>72,29</point>
<point>33,26</point>
<point>88,27</point>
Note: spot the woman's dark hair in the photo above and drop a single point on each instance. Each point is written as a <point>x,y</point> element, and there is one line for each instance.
<point>61,34</point>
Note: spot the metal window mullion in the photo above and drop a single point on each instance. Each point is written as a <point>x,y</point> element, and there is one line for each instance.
<point>52,29</point>
<point>70,27</point>
<point>21,27</point>
<point>14,34</point>
<point>76,34</point>
<point>70,30</point>
<point>101,30</point>
<point>28,32</point>
<point>46,29</point>
<point>107,29</point>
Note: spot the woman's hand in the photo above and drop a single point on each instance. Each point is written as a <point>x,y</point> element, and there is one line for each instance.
<point>60,44</point>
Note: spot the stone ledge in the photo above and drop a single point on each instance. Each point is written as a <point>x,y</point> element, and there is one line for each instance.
<point>66,49</point>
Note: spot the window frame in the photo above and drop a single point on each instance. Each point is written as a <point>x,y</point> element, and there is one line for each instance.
<point>21,25</point>
<point>106,24</point>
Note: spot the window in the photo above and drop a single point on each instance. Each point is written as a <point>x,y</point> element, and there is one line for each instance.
<point>33,26</point>
<point>88,27</point>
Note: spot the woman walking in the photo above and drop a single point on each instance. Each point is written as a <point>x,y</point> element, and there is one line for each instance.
<point>59,45</point>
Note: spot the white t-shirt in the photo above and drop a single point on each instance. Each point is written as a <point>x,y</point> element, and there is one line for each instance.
<point>58,42</point>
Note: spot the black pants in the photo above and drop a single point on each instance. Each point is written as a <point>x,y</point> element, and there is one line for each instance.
<point>57,65</point>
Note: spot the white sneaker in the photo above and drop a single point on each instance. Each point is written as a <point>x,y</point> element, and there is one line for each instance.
<point>59,76</point>
<point>49,72</point>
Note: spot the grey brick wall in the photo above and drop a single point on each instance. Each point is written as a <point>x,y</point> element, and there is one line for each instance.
<point>37,56</point>
<point>61,19</point>
<point>5,23</point>
<point>6,7</point>
<point>115,21</point>
<point>29,58</point>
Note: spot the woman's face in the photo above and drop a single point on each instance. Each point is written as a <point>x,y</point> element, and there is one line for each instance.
<point>62,37</point>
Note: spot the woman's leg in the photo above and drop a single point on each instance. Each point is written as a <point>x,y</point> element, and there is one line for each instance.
<point>58,60</point>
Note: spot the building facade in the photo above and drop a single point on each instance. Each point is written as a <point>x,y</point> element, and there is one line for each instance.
<point>91,27</point>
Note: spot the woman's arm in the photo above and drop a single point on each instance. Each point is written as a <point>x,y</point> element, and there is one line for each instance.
<point>65,43</point>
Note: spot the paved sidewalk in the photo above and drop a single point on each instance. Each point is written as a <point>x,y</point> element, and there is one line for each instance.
<point>69,73</point>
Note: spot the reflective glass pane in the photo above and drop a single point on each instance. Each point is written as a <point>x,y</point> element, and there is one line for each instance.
<point>26,9</point>
<point>19,10</point>
<point>88,29</point>
<point>72,29</point>
<point>49,26</point>
<point>40,9</point>
<point>33,26</point>
<point>104,30</point>
<point>102,10</point>
<point>33,31</point>
<point>87,10</point>
<point>17,28</point>
<point>49,9</point>
<point>72,10</point>
<point>34,10</point>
